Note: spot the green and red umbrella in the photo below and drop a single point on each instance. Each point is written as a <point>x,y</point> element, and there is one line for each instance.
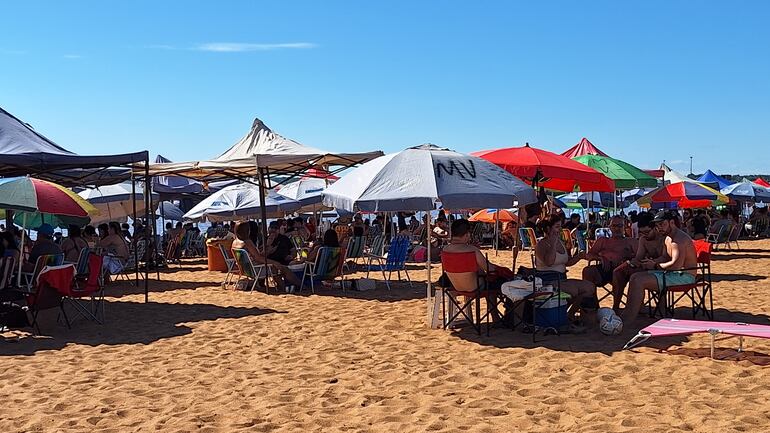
<point>40,201</point>
<point>625,175</point>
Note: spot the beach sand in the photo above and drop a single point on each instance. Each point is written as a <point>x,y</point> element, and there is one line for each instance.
<point>201,358</point>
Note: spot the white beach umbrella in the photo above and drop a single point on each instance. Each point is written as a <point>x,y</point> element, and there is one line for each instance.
<point>308,191</point>
<point>239,202</point>
<point>115,202</point>
<point>418,178</point>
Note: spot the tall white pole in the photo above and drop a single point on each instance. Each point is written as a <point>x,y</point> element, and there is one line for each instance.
<point>428,298</point>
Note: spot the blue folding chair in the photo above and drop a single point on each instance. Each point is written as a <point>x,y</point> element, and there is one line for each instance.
<point>327,266</point>
<point>395,261</point>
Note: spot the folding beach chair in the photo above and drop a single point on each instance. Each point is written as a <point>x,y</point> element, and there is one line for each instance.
<point>81,265</point>
<point>699,293</point>
<point>354,250</point>
<point>229,262</point>
<point>327,267</point>
<point>6,272</point>
<point>91,290</point>
<point>459,265</point>
<point>299,247</point>
<point>247,269</point>
<point>48,284</point>
<point>719,237</point>
<point>528,242</point>
<point>395,261</point>
<point>129,269</point>
<point>580,240</point>
<point>377,249</point>
<point>173,252</point>
<point>29,278</point>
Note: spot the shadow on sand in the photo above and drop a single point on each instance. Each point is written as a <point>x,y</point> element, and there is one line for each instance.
<point>126,323</point>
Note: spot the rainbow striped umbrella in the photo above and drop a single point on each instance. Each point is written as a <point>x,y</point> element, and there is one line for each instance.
<point>34,199</point>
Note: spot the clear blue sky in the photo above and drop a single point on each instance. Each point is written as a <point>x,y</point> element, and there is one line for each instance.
<point>645,81</point>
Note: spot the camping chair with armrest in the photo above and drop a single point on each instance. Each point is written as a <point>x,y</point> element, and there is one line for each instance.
<point>465,264</point>
<point>247,269</point>
<point>354,250</point>
<point>92,289</point>
<point>700,292</point>
<point>29,278</point>
<point>229,262</point>
<point>395,261</point>
<point>47,290</point>
<point>326,267</point>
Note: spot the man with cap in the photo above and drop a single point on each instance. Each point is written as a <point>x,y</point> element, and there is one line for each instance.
<point>44,245</point>
<point>679,254</point>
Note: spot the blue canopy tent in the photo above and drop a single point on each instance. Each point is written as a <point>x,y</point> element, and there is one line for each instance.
<point>174,185</point>
<point>709,177</point>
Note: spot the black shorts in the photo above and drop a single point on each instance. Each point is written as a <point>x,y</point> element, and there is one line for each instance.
<point>605,274</point>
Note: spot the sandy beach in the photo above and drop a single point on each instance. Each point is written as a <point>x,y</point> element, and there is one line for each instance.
<point>201,358</point>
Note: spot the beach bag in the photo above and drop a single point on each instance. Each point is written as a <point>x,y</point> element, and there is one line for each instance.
<point>13,316</point>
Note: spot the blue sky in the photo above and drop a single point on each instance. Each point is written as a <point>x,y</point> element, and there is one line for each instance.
<point>645,81</point>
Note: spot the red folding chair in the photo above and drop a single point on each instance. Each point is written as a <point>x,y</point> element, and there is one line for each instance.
<point>458,265</point>
<point>47,291</point>
<point>89,289</point>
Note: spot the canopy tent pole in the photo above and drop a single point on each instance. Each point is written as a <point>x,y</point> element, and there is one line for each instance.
<point>147,208</point>
<point>263,213</point>
<point>133,206</point>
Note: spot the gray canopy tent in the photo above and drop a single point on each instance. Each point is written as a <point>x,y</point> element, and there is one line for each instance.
<point>26,152</point>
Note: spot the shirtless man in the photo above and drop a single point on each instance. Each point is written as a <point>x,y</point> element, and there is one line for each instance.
<point>650,247</point>
<point>242,232</point>
<point>610,252</point>
<point>680,254</point>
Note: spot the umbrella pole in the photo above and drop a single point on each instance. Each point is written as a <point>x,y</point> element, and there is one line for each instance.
<point>21,248</point>
<point>497,218</point>
<point>429,298</point>
<point>615,198</point>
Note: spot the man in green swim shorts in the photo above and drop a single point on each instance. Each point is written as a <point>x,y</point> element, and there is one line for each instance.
<point>679,254</point>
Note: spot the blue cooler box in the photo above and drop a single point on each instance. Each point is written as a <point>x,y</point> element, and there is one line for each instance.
<point>551,313</point>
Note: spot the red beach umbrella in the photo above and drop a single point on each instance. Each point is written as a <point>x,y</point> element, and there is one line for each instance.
<point>548,169</point>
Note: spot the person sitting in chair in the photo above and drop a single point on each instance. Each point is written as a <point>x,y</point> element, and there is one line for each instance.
<point>279,246</point>
<point>242,241</point>
<point>510,234</point>
<point>679,255</point>
<point>610,253</point>
<point>44,245</point>
<point>488,275</point>
<point>551,262</point>
<point>115,248</point>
